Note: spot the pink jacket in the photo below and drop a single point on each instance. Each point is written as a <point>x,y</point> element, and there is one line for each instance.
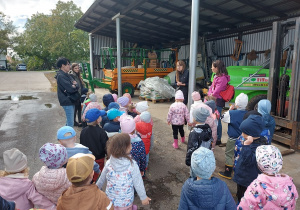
<point>91,105</point>
<point>51,182</point>
<point>219,84</point>
<point>270,192</point>
<point>23,192</point>
<point>177,113</point>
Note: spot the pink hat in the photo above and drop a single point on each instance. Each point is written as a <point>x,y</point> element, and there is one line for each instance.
<point>128,96</point>
<point>179,95</point>
<point>196,96</point>
<point>127,124</point>
<point>115,96</point>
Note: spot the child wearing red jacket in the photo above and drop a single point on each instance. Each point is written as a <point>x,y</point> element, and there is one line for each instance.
<point>144,128</point>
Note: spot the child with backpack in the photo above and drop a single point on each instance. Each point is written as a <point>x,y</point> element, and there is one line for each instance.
<point>122,175</point>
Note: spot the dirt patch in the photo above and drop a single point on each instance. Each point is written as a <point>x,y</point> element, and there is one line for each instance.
<point>52,80</point>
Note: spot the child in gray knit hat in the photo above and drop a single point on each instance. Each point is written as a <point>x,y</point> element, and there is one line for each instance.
<point>202,191</point>
<point>200,136</point>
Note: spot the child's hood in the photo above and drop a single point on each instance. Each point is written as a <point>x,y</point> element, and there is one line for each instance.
<point>119,164</point>
<point>281,191</point>
<point>269,120</point>
<point>205,133</point>
<point>143,128</point>
<point>79,148</point>
<point>14,188</point>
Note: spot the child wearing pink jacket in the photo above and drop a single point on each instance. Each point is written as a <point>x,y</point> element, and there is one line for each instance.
<point>178,115</point>
<point>270,190</point>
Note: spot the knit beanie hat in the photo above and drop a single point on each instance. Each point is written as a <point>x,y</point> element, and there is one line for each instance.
<point>107,99</point>
<point>241,101</point>
<point>264,107</point>
<point>212,105</point>
<point>127,124</point>
<point>93,97</point>
<point>253,125</point>
<point>196,96</point>
<point>142,106</point>
<point>115,96</point>
<point>203,163</point>
<point>201,114</point>
<point>123,101</point>
<point>269,159</point>
<point>84,91</point>
<point>179,95</point>
<point>128,96</point>
<point>14,160</point>
<point>53,155</point>
<point>113,105</point>
<point>145,117</point>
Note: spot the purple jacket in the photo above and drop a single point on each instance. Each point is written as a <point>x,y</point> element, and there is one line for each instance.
<point>23,192</point>
<point>219,84</point>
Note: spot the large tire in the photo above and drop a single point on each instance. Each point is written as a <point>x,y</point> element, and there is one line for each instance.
<point>128,88</point>
<point>252,104</point>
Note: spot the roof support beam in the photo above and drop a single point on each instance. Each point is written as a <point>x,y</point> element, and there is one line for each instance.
<point>130,7</point>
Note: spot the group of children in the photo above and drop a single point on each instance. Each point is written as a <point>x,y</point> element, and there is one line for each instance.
<point>256,163</point>
<point>114,149</point>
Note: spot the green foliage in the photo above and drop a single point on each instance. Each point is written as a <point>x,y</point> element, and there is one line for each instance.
<point>47,37</point>
<point>6,29</point>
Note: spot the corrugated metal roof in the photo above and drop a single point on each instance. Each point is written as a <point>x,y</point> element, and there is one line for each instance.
<point>168,21</point>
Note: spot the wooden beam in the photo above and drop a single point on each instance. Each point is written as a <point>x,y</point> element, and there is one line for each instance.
<point>130,7</point>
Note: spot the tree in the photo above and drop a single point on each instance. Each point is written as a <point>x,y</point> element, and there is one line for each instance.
<point>6,30</point>
<point>47,37</point>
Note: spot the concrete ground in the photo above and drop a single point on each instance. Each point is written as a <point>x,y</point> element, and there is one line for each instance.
<point>28,124</point>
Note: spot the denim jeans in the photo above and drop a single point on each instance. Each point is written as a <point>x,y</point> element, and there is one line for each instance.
<point>219,128</point>
<point>69,110</point>
<point>147,160</point>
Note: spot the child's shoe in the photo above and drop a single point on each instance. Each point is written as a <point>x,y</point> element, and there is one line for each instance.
<point>227,173</point>
<point>182,139</point>
<point>175,144</point>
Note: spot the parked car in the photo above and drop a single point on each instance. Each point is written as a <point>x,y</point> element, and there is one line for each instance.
<point>2,67</point>
<point>21,67</point>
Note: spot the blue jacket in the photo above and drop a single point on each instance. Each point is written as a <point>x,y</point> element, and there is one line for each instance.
<point>79,148</point>
<point>236,118</point>
<point>205,194</point>
<point>112,126</point>
<point>246,169</point>
<point>7,205</point>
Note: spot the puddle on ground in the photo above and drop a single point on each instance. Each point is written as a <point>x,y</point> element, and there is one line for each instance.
<point>48,105</point>
<point>18,98</point>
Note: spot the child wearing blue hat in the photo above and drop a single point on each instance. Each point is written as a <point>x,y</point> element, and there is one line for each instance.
<point>201,190</point>
<point>66,136</point>
<point>94,137</point>
<point>113,125</point>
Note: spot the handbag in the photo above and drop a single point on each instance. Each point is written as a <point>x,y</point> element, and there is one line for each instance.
<point>74,97</point>
<point>228,93</point>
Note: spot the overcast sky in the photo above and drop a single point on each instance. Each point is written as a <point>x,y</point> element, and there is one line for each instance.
<point>20,10</point>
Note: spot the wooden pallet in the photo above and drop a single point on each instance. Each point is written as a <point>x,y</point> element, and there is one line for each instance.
<point>154,100</point>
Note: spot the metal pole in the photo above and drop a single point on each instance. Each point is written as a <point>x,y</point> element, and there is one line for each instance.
<point>119,56</point>
<point>91,54</point>
<point>193,47</point>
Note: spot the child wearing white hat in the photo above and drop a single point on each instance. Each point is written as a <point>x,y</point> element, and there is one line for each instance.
<point>15,185</point>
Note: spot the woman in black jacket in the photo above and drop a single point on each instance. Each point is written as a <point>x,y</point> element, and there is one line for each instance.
<point>182,79</point>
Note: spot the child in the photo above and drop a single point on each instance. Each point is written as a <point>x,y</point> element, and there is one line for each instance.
<point>144,128</point>
<point>66,136</point>
<point>105,118</point>
<point>246,167</point>
<point>114,124</point>
<point>122,175</point>
<point>90,96</point>
<point>123,102</point>
<point>141,107</point>
<point>234,118</point>
<point>52,179</point>
<point>138,151</point>
<point>15,185</point>
<point>210,119</point>
<point>177,116</point>
<point>107,99</point>
<point>92,105</point>
<point>131,110</point>
<point>202,191</point>
<point>82,194</point>
<point>264,108</point>
<point>200,136</point>
<point>94,137</point>
<point>270,190</point>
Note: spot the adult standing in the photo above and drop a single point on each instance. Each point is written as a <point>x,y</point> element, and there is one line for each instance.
<point>182,79</point>
<point>75,72</point>
<point>219,84</point>
<point>66,85</point>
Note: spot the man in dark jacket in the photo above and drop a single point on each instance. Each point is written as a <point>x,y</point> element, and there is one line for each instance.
<point>66,86</point>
